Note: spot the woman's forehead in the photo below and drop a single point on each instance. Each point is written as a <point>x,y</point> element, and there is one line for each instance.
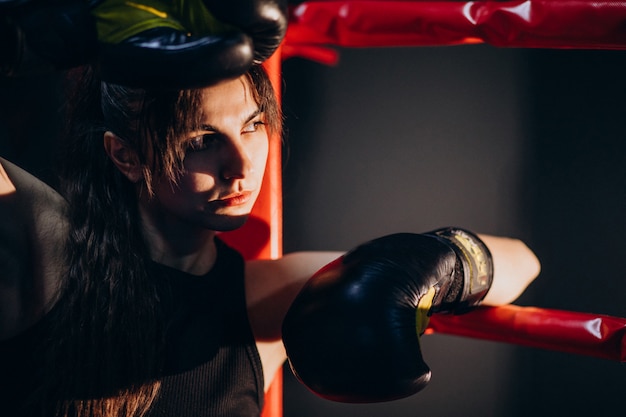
<point>228,99</point>
<point>233,89</point>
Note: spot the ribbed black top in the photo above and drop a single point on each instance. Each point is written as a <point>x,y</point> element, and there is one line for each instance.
<point>212,364</point>
<point>212,367</point>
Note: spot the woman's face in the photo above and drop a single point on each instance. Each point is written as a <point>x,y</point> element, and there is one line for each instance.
<point>223,166</point>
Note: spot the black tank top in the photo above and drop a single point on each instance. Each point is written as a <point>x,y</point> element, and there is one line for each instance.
<point>212,367</point>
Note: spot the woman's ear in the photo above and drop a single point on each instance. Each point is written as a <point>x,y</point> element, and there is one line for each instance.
<point>124,158</point>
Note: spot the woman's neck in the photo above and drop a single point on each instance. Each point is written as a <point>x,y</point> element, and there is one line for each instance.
<point>178,245</point>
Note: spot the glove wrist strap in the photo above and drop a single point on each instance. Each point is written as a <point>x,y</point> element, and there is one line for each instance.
<point>476,262</point>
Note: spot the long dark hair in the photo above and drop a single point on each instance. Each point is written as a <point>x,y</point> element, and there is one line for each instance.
<point>106,342</point>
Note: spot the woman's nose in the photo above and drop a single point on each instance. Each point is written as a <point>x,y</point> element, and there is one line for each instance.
<point>236,163</point>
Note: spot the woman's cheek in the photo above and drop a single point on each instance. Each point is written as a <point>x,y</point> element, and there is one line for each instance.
<point>200,182</point>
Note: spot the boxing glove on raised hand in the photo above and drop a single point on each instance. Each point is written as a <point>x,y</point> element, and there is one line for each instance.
<point>352,333</point>
<point>265,21</point>
<point>40,36</point>
<point>184,43</point>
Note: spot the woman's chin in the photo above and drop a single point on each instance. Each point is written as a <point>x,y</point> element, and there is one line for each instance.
<point>227,223</point>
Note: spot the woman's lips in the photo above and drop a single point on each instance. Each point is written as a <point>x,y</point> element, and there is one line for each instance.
<point>236,199</point>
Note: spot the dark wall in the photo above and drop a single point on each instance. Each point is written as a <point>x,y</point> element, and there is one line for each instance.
<point>576,186</point>
<point>526,143</point>
<point>30,121</point>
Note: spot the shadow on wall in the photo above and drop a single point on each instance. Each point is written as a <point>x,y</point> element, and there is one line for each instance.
<point>526,143</point>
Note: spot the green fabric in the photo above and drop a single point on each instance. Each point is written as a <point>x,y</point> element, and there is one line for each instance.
<point>118,20</point>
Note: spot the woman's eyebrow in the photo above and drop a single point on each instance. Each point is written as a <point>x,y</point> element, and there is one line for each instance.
<point>253,115</point>
<point>210,128</point>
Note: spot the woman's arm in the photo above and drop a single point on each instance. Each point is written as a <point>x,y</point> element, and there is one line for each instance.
<point>515,266</point>
<point>273,284</point>
<point>271,287</point>
<point>32,234</point>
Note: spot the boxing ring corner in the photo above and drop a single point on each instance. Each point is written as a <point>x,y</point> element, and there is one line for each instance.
<point>318,27</point>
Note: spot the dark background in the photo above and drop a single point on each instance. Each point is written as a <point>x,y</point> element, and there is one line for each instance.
<point>524,143</point>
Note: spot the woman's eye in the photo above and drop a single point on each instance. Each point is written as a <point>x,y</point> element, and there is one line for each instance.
<point>202,142</point>
<point>253,126</point>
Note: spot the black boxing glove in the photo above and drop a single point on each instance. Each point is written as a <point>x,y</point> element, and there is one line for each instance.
<point>352,333</point>
<point>39,36</point>
<point>265,21</point>
<point>183,44</point>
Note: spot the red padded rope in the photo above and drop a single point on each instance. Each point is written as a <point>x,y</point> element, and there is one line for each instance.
<point>314,25</point>
<point>588,334</point>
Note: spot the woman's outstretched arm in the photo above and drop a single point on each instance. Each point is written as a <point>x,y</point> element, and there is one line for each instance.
<point>271,287</point>
<point>515,267</point>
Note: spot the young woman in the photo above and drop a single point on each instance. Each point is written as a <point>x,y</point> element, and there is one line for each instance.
<point>117,296</point>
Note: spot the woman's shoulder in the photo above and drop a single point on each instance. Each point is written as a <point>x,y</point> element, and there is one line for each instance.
<point>29,189</point>
<point>33,230</point>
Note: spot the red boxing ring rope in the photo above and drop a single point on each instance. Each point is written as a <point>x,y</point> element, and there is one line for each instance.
<point>507,23</point>
<point>596,335</point>
<point>315,27</point>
